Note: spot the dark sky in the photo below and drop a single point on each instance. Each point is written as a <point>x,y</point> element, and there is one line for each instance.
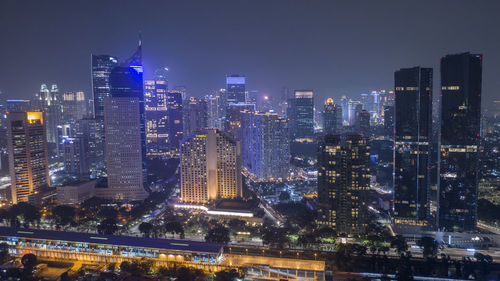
<point>333,47</point>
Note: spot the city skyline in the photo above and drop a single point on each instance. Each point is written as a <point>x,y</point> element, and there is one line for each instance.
<point>343,51</point>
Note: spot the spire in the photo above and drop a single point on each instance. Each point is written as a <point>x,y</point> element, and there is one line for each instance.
<point>136,58</point>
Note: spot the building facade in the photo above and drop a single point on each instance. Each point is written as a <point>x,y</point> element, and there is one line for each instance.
<point>156,108</point>
<point>461,78</point>
<point>413,129</point>
<point>332,117</point>
<point>235,88</point>
<point>301,114</point>
<point>343,183</point>
<point>28,156</point>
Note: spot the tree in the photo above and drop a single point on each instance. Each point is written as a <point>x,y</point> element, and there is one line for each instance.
<point>64,214</point>
<point>24,212</point>
<point>399,244</point>
<point>218,234</point>
<point>108,213</point>
<point>275,236</point>
<point>236,225</point>
<point>174,227</point>
<point>107,226</point>
<point>137,267</point>
<point>29,262</point>
<point>145,228</point>
<point>430,247</point>
<point>227,275</point>
<point>4,253</point>
<point>284,196</point>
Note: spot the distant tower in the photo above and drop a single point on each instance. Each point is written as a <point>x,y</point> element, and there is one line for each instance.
<point>461,77</point>
<point>194,115</point>
<point>413,88</point>
<point>156,107</point>
<point>332,117</point>
<point>210,167</point>
<point>343,183</point>
<point>302,115</point>
<point>363,123</point>
<point>235,88</point>
<point>175,116</point>
<point>101,69</point>
<point>124,125</point>
<point>28,157</point>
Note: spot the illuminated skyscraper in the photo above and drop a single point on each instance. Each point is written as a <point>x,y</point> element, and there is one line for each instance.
<point>265,145</point>
<point>234,118</point>
<point>461,77</point>
<point>301,114</point>
<point>75,156</point>
<point>235,88</point>
<point>216,110</point>
<point>18,105</point>
<point>156,105</point>
<point>124,126</point>
<point>101,68</point>
<point>28,157</point>
<point>363,123</point>
<point>343,183</point>
<point>332,117</point>
<point>175,127</point>
<point>49,101</point>
<point>87,129</point>
<point>210,167</point>
<point>194,115</point>
<point>413,88</point>
<point>74,107</point>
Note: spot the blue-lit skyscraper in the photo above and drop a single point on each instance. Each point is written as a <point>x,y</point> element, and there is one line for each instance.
<point>124,124</point>
<point>461,77</point>
<point>235,88</point>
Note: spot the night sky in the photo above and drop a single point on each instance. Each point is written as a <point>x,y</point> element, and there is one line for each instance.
<point>333,47</point>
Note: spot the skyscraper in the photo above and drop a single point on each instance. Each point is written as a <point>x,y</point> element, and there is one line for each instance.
<point>389,121</point>
<point>235,88</point>
<point>302,115</point>
<point>124,125</point>
<point>210,167</point>
<point>101,68</point>
<point>265,145</point>
<point>175,127</point>
<point>75,156</point>
<point>234,118</point>
<point>343,183</point>
<point>49,101</point>
<point>156,106</point>
<point>216,110</point>
<point>74,107</point>
<point>413,88</point>
<point>461,76</point>
<point>363,123</point>
<point>89,130</point>
<point>194,115</point>
<point>332,117</point>
<point>28,157</point>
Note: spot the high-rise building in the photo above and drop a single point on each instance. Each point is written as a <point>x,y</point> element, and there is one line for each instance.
<point>49,102</point>
<point>75,156</point>
<point>389,121</point>
<point>265,145</point>
<point>301,114</point>
<point>194,115</point>
<point>233,118</point>
<point>363,123</point>
<point>156,106</point>
<point>28,157</point>
<point>343,183</point>
<point>413,88</point>
<point>461,76</point>
<point>175,127</point>
<point>235,88</point>
<point>124,126</point>
<point>18,105</point>
<point>74,107</point>
<point>216,110</point>
<point>210,167</point>
<point>101,68</point>
<point>87,129</point>
<point>332,117</point>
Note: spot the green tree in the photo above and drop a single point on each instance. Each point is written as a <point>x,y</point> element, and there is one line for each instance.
<point>430,247</point>
<point>107,226</point>
<point>64,214</point>
<point>228,275</point>
<point>218,234</point>
<point>145,228</point>
<point>174,227</point>
<point>25,213</point>
<point>275,236</point>
<point>399,244</point>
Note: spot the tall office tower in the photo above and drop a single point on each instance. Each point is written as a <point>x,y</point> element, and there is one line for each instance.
<point>156,106</point>
<point>413,87</point>
<point>301,114</point>
<point>363,123</point>
<point>354,107</point>
<point>210,167</point>
<point>101,69</point>
<point>28,157</point>
<point>194,115</point>
<point>87,130</point>
<point>18,105</point>
<point>389,121</point>
<point>75,156</point>
<point>50,102</point>
<point>234,118</point>
<point>74,107</point>
<point>343,183</point>
<point>216,110</point>
<point>124,127</point>
<point>332,117</point>
<point>235,88</point>
<point>461,77</point>
<point>175,126</point>
<point>265,145</point>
